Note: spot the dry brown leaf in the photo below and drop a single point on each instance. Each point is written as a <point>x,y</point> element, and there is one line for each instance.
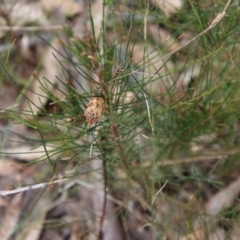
<point>164,37</point>
<point>34,222</point>
<point>22,13</point>
<point>168,6</point>
<point>51,234</point>
<point>201,141</point>
<point>235,233</point>
<point>8,167</point>
<point>218,234</point>
<point>11,217</point>
<point>224,198</point>
<point>219,201</point>
<point>198,234</point>
<point>111,227</point>
<point>51,69</point>
<point>96,12</point>
<point>83,25</point>
<point>3,202</point>
<point>69,8</point>
<point>8,96</point>
<point>27,153</point>
<point>157,69</point>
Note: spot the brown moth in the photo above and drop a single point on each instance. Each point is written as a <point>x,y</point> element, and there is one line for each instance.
<point>95,109</point>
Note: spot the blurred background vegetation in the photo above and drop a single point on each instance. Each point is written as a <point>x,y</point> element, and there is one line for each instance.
<point>162,159</point>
